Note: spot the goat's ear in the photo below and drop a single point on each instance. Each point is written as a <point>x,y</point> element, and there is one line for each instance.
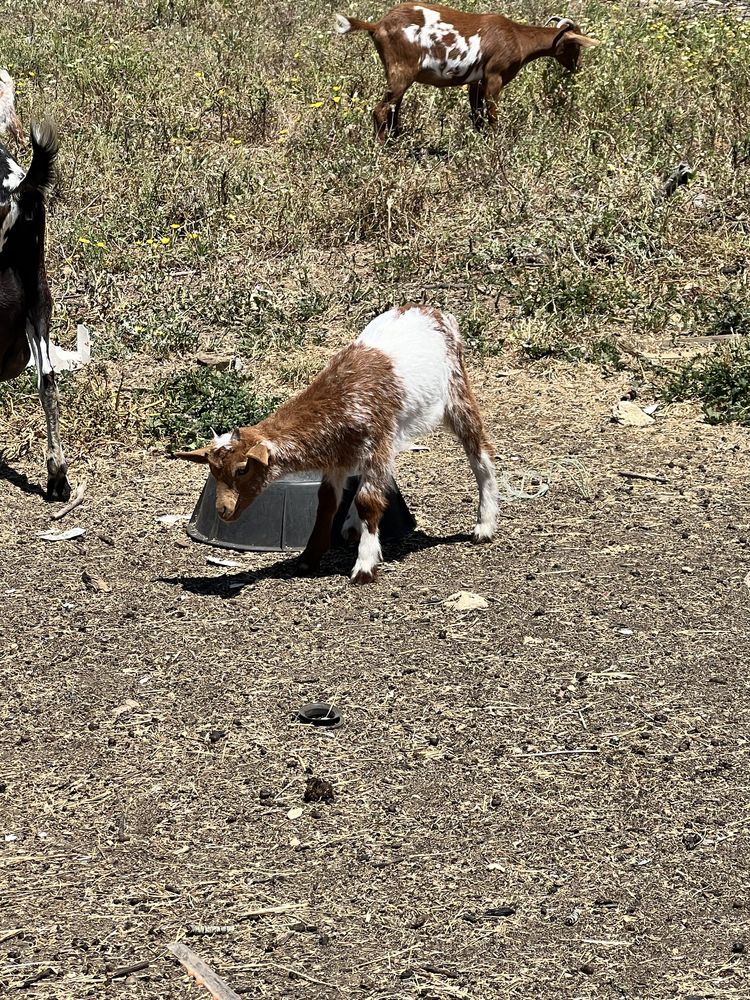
<point>260,453</point>
<point>583,40</point>
<point>198,455</point>
<point>236,436</point>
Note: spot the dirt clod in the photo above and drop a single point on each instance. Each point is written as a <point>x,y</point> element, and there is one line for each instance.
<point>318,790</point>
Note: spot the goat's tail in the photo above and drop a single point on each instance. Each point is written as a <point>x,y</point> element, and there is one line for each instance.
<point>346,24</point>
<point>41,172</point>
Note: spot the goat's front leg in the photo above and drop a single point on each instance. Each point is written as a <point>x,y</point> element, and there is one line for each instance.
<point>37,331</point>
<point>492,85</point>
<point>476,101</point>
<point>370,502</point>
<point>329,498</point>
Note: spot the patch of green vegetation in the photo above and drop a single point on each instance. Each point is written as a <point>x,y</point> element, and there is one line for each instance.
<point>16,391</point>
<point>475,329</point>
<point>191,405</point>
<point>720,381</point>
<point>554,345</point>
<point>723,316</point>
<point>606,354</point>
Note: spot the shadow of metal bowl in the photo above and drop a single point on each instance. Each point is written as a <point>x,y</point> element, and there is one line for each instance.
<point>282,517</point>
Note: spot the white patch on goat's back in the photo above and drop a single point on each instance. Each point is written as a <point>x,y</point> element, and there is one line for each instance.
<point>446,54</point>
<point>416,347</point>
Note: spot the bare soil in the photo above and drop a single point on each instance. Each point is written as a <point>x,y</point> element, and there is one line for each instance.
<point>573,758</point>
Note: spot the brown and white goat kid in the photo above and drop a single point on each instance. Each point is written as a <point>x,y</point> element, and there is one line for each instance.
<point>25,300</point>
<point>426,43</point>
<point>401,378</point>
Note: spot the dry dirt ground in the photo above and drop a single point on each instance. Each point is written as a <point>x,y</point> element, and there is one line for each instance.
<point>576,753</point>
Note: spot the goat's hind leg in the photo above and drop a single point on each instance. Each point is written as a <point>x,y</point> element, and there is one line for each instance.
<point>463,418</point>
<point>37,332</point>
<point>476,101</point>
<point>351,529</point>
<point>491,88</point>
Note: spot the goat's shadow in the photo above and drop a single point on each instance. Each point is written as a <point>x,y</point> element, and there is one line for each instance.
<point>20,481</point>
<point>420,153</point>
<point>338,562</point>
<point>412,143</point>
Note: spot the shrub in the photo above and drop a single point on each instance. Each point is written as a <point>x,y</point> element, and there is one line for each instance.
<point>195,403</point>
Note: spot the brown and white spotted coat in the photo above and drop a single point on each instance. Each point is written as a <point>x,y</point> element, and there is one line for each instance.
<point>402,377</point>
<point>434,45</point>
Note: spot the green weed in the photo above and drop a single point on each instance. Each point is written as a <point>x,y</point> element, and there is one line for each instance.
<point>720,381</point>
<point>191,405</point>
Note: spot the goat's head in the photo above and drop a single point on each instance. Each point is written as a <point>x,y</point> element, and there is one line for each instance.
<point>9,120</point>
<point>242,465</point>
<point>569,42</point>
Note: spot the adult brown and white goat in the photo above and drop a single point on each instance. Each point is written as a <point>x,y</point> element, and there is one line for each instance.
<point>25,300</point>
<point>402,377</point>
<point>426,43</point>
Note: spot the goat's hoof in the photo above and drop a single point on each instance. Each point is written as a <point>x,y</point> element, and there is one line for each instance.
<point>308,567</point>
<point>58,488</point>
<point>482,534</point>
<point>364,576</point>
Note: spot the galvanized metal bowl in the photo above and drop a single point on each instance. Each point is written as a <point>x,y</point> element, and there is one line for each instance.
<point>282,517</point>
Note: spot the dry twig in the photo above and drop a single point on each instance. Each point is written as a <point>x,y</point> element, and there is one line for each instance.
<point>76,501</point>
<point>627,474</point>
<point>203,974</point>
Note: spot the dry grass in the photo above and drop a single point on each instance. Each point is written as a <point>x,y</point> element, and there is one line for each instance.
<point>219,188</point>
